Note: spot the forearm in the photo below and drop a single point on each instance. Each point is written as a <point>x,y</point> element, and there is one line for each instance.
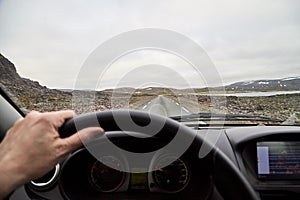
<point>6,186</point>
<point>10,176</point>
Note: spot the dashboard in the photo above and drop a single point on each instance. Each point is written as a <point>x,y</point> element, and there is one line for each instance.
<point>268,156</point>
<point>270,159</point>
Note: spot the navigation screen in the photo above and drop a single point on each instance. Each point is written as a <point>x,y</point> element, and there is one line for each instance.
<point>278,160</point>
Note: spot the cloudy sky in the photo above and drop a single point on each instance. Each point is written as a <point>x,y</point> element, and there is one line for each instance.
<point>50,41</point>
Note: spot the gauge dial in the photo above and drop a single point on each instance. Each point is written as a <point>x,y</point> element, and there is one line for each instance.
<point>173,177</point>
<point>105,178</point>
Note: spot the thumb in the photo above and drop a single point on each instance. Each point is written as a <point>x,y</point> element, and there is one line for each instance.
<point>85,135</point>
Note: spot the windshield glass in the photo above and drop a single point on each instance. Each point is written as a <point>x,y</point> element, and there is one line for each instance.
<point>221,60</point>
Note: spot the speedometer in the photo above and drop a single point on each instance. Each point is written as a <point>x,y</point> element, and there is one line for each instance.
<point>105,178</point>
<point>173,177</point>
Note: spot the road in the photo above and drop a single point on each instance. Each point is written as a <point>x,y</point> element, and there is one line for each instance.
<point>163,106</point>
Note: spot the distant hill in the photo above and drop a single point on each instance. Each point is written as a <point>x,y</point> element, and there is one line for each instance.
<point>291,83</point>
<point>26,92</point>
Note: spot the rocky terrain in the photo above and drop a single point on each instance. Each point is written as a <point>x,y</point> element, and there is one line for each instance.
<point>30,95</point>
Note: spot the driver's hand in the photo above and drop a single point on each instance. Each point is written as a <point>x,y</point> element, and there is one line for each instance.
<point>32,147</point>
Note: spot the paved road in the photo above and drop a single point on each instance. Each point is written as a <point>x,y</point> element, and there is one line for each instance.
<point>163,106</point>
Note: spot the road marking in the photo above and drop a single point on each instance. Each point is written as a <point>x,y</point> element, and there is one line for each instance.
<point>177,104</point>
<point>186,110</point>
<point>145,106</point>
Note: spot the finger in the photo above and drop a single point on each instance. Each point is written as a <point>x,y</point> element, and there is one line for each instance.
<point>65,114</point>
<point>59,117</point>
<point>85,135</point>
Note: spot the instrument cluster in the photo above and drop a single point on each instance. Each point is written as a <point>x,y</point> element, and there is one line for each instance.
<point>167,174</point>
<point>109,174</point>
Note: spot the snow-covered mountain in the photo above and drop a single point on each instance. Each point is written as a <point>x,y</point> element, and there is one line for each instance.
<point>291,83</point>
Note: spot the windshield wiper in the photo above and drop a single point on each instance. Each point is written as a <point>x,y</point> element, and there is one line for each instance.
<point>224,117</point>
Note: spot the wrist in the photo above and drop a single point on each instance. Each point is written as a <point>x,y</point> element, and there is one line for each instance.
<point>10,175</point>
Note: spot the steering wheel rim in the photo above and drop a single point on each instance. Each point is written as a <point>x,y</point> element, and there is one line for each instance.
<point>228,179</point>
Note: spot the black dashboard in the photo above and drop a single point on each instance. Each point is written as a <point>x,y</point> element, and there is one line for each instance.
<point>242,145</point>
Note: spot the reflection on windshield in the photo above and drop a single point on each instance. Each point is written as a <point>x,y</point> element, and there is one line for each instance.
<point>155,100</point>
<point>30,95</point>
<point>159,101</point>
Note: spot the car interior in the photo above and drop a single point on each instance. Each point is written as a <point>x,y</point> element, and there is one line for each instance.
<point>198,99</point>
<point>238,164</point>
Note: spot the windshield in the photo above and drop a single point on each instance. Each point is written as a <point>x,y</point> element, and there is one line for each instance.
<point>229,61</point>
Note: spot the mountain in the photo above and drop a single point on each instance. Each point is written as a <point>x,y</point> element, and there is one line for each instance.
<point>27,92</point>
<point>291,83</point>
<point>11,81</point>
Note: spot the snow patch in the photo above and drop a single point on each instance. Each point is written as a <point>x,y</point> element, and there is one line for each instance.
<point>263,83</point>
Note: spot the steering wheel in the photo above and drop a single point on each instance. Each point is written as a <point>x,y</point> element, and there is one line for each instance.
<point>228,179</point>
